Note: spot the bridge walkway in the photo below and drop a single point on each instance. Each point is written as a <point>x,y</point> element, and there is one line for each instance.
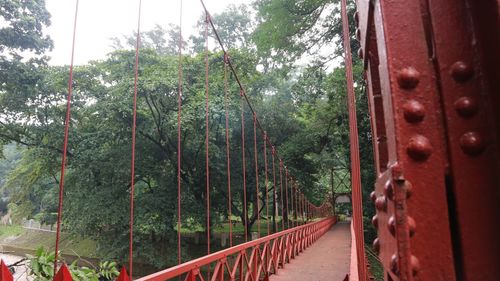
<point>328,259</point>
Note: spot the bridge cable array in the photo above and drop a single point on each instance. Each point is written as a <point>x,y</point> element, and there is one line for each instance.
<point>300,206</point>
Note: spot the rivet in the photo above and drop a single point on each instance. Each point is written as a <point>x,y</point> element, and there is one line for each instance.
<point>381,204</point>
<point>413,111</point>
<point>373,196</point>
<point>358,34</point>
<point>376,245</point>
<point>375,221</point>
<point>388,190</point>
<point>409,189</point>
<point>394,263</point>
<point>391,225</point>
<point>466,107</point>
<point>360,53</point>
<point>472,143</point>
<point>461,71</point>
<point>415,265</point>
<point>412,225</point>
<point>419,148</point>
<point>408,78</point>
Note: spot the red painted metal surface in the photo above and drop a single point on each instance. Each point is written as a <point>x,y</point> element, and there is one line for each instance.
<point>432,73</point>
<point>63,274</point>
<point>254,260</point>
<point>357,203</point>
<point>5,274</point>
<point>353,268</point>
<point>471,132</point>
<point>123,275</point>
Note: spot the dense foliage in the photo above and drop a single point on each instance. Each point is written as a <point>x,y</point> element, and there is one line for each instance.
<point>303,108</point>
<point>41,268</point>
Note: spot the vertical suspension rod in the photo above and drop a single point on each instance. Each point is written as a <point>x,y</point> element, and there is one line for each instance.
<point>256,158</point>
<point>286,197</point>
<point>275,227</point>
<point>228,155</point>
<point>267,181</point>
<point>65,142</point>
<point>179,109</point>
<point>134,125</point>
<point>281,196</point>
<point>245,215</point>
<point>235,74</point>
<point>354,147</point>
<point>207,167</point>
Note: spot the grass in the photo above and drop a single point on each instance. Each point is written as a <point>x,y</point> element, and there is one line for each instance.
<point>10,230</point>
<point>16,236</point>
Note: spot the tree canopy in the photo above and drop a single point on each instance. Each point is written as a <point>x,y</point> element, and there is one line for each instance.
<point>303,108</point>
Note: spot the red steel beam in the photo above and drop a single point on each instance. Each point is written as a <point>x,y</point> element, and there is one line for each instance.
<point>357,201</point>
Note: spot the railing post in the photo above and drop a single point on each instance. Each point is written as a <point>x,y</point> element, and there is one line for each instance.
<point>242,264</point>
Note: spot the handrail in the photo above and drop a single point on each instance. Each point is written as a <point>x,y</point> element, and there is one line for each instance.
<point>287,244</point>
<point>268,254</point>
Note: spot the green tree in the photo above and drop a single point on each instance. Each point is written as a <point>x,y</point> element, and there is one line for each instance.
<point>297,29</point>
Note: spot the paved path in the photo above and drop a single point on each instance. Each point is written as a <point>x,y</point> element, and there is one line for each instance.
<point>326,260</point>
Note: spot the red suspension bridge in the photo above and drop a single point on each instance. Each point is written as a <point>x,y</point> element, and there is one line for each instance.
<point>432,74</point>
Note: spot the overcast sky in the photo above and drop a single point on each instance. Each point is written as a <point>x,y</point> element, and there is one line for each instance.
<point>99,20</point>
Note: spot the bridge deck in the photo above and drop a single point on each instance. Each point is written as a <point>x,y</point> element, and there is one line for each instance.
<point>326,259</point>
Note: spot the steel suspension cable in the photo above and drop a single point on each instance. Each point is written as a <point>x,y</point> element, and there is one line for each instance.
<point>281,196</point>
<point>275,209</point>
<point>207,168</point>
<point>244,166</point>
<point>297,193</point>
<point>301,206</point>
<point>256,171</point>
<point>298,206</point>
<point>297,209</point>
<point>235,74</point>
<point>297,223</point>
<point>228,155</point>
<point>286,193</point>
<point>134,124</point>
<point>354,147</point>
<point>292,202</point>
<point>179,111</point>
<point>304,212</point>
<point>267,182</point>
<point>308,210</point>
<point>65,142</point>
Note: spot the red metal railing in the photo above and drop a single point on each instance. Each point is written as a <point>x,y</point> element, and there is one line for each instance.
<point>254,260</point>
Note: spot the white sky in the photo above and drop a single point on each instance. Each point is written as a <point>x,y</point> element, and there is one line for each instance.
<point>100,20</point>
